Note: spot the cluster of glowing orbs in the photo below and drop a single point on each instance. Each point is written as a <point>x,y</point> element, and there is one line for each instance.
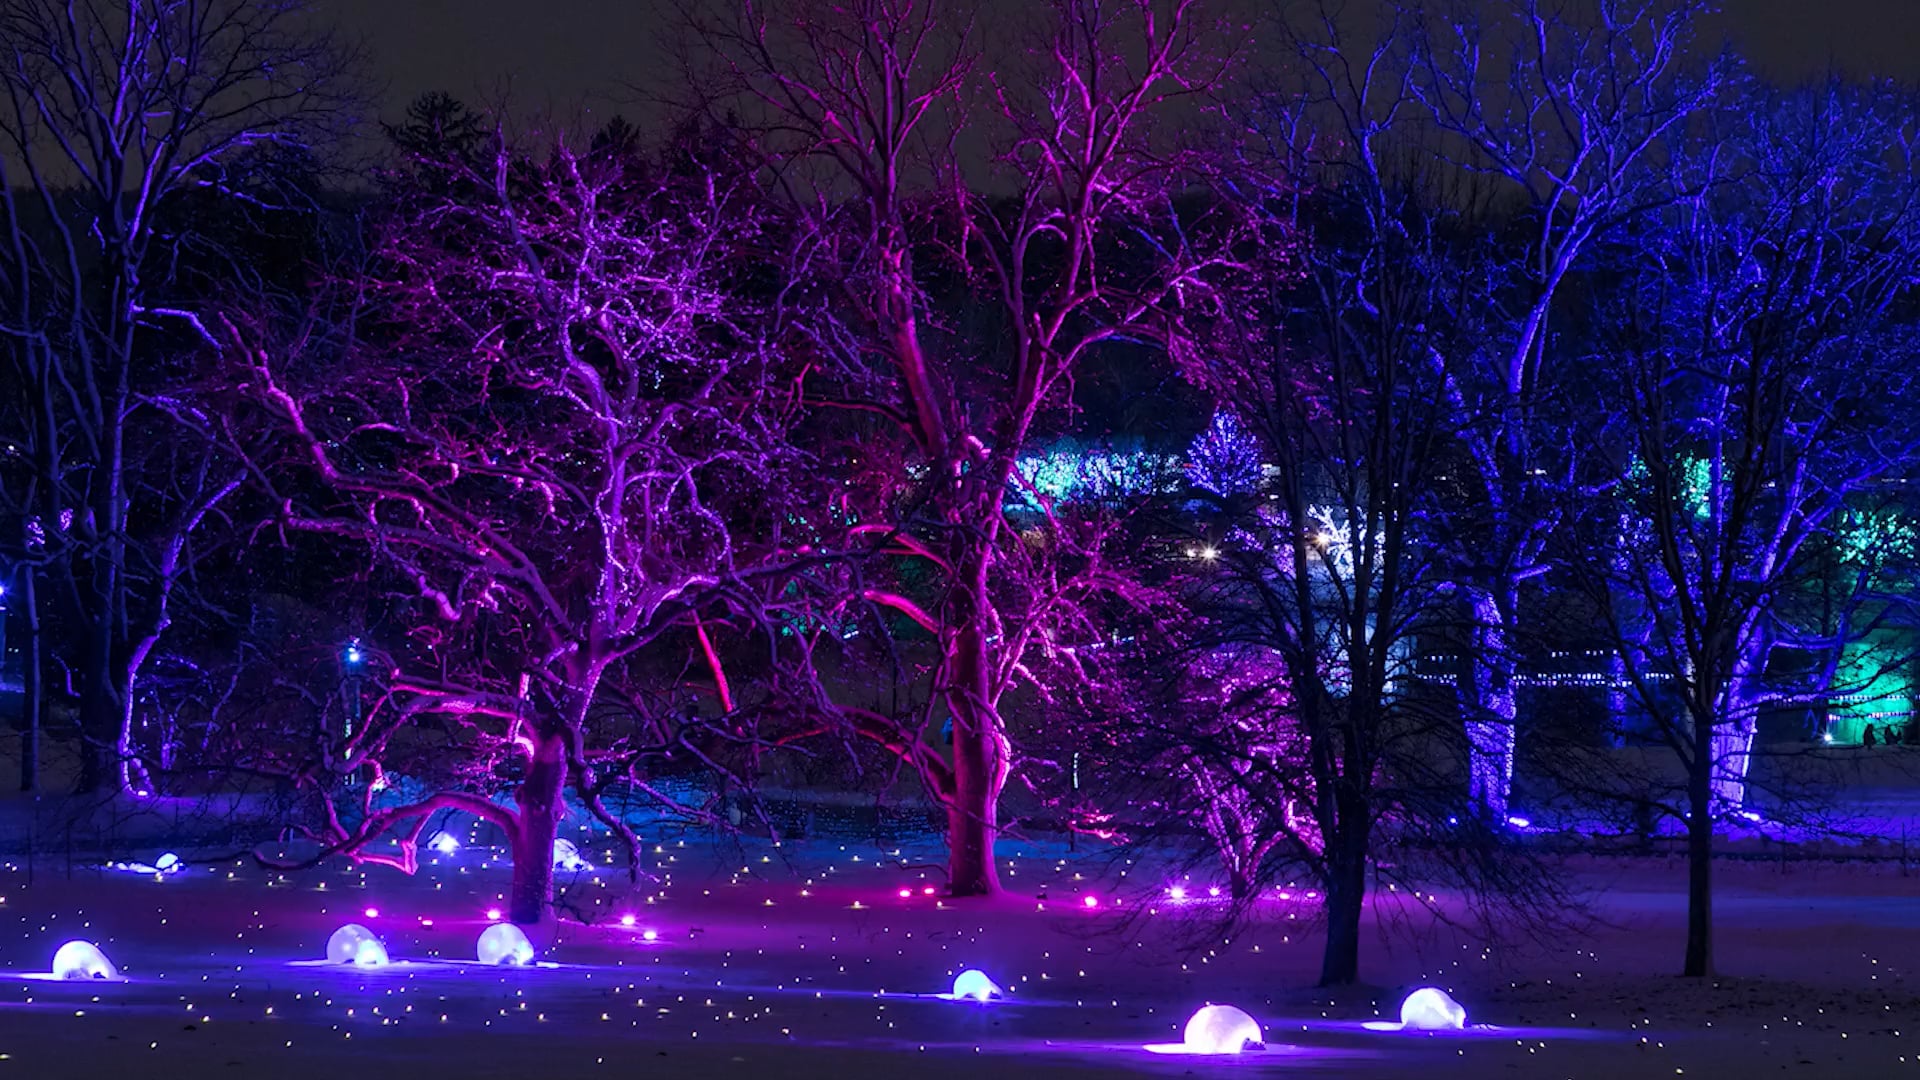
<point>567,857</point>
<point>1431,1009</point>
<point>1216,1029</point>
<point>355,944</point>
<point>973,985</point>
<point>505,943</point>
<point>82,960</point>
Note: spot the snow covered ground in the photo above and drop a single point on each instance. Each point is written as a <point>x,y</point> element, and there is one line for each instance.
<point>806,961</point>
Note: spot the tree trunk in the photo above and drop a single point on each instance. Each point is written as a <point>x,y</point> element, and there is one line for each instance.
<point>538,820</point>
<point>1732,743</point>
<point>33,690</point>
<point>1699,962</point>
<point>979,754</point>
<point>100,716</point>
<point>1346,898</point>
<point>1240,881</point>
<point>1490,708</point>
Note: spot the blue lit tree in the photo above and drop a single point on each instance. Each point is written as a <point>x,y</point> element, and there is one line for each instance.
<point>119,123</point>
<point>1561,110</point>
<point>1225,458</point>
<point>1757,366</point>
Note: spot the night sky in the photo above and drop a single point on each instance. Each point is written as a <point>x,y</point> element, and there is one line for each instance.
<point>564,55</point>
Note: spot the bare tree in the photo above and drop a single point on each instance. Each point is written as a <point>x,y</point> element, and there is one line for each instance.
<point>1757,372</point>
<point>1328,577</point>
<point>1045,194</point>
<point>1564,109</point>
<point>559,427</point>
<point>114,116</point>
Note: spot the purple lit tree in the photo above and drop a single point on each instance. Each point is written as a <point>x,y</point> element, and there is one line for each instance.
<point>1758,369</point>
<point>1062,238</point>
<point>558,433</point>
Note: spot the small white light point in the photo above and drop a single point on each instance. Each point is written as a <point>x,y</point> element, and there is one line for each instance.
<point>505,944</point>
<point>82,960</point>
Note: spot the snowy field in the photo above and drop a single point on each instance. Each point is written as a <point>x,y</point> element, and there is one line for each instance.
<point>809,962</point>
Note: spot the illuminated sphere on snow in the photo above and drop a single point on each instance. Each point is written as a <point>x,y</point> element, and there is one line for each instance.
<point>370,954</point>
<point>1430,1009</point>
<point>1221,1029</point>
<point>973,983</point>
<point>505,943</point>
<point>443,842</point>
<point>82,960</point>
<point>567,857</point>
<point>344,946</point>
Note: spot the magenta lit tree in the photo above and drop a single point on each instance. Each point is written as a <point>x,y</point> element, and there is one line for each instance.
<point>1055,229</point>
<point>557,432</point>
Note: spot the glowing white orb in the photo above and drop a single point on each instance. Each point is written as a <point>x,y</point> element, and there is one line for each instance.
<point>505,943</point>
<point>82,960</point>
<point>443,842</point>
<point>1430,1009</point>
<point>973,983</point>
<point>1221,1029</point>
<point>567,857</point>
<point>369,954</point>
<point>344,946</point>
<point>167,863</point>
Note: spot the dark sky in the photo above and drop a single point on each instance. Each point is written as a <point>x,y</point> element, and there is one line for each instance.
<point>566,55</point>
